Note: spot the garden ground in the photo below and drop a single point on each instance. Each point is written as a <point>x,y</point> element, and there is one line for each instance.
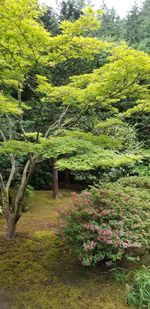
<point>38,271</point>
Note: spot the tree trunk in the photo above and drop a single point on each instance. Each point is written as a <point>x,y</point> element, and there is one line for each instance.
<point>54,161</point>
<point>11,223</point>
<point>13,212</point>
<point>54,178</point>
<point>11,219</point>
<point>9,216</point>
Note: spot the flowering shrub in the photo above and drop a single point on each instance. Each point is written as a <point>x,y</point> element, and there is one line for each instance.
<point>108,223</point>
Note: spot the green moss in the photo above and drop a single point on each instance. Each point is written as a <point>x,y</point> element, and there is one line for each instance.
<point>44,234</point>
<point>38,271</point>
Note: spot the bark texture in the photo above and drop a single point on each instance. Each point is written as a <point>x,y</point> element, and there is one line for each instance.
<point>55,178</point>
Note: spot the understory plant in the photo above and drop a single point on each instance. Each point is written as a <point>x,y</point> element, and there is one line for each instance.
<point>139,293</point>
<point>109,223</point>
<point>136,182</point>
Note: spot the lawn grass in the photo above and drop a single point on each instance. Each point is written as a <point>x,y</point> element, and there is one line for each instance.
<point>38,271</point>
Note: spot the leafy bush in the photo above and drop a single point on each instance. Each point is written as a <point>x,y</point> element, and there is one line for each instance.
<point>139,293</point>
<point>119,130</point>
<point>108,223</point>
<point>135,181</point>
<point>142,169</point>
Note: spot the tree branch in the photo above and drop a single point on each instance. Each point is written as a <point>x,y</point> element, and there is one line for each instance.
<point>27,171</point>
<point>2,189</point>
<point>57,123</point>
<point>12,172</point>
<point>3,136</point>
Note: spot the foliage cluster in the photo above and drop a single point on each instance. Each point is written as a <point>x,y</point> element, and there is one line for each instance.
<point>135,182</point>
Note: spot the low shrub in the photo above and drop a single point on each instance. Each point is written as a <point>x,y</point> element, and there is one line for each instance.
<point>142,169</point>
<point>139,293</point>
<point>135,181</point>
<point>109,223</point>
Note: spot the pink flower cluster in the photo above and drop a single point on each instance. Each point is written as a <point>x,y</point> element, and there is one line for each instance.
<point>87,193</point>
<point>107,232</point>
<point>81,199</point>
<point>92,227</point>
<point>130,244</point>
<point>106,212</point>
<point>108,237</point>
<point>105,236</point>
<point>89,246</point>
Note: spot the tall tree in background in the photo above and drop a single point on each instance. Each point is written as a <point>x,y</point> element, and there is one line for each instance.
<point>71,9</point>
<point>50,20</point>
<point>132,27</point>
<point>144,26</point>
<point>137,34</point>
<point>137,26</point>
<point>112,26</point>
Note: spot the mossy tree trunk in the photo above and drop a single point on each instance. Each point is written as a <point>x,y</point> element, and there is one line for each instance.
<point>9,215</point>
<point>13,209</point>
<point>11,222</point>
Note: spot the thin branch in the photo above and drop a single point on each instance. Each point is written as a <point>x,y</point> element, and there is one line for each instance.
<point>74,120</point>
<point>57,123</point>
<point>20,118</point>
<point>21,187</point>
<point>3,136</point>
<point>2,181</point>
<point>27,171</point>
<point>2,189</point>
<point>12,172</point>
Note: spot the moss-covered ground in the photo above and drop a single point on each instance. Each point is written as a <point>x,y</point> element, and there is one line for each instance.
<point>38,271</point>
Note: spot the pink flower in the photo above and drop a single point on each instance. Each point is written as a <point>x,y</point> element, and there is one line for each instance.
<point>105,239</point>
<point>90,246</point>
<point>87,193</point>
<point>113,212</point>
<point>97,228</point>
<point>104,212</point>
<point>108,232</point>
<point>109,241</point>
<point>74,194</point>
